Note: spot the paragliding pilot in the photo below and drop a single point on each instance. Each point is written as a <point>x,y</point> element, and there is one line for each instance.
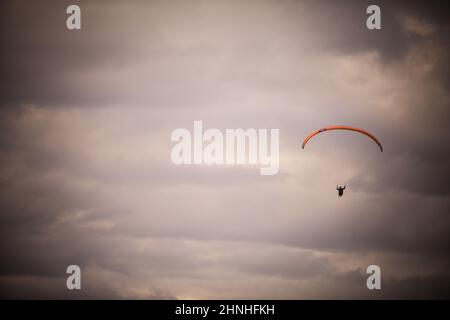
<point>340,190</point>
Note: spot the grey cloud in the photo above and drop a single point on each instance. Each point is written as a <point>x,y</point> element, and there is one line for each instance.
<point>171,51</point>
<point>85,170</point>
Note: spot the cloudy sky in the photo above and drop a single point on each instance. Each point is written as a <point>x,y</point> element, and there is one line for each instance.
<point>86,176</point>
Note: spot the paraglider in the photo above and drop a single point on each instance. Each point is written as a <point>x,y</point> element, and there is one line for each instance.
<point>341,189</point>
<point>371,136</point>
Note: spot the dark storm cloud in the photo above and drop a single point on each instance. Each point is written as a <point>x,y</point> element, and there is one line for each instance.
<point>44,64</point>
<point>42,288</point>
<point>42,57</point>
<point>393,41</point>
<point>417,287</point>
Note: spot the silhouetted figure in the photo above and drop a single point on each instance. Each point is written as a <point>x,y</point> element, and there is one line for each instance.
<point>340,190</point>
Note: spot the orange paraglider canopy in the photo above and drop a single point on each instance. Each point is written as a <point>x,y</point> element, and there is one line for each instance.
<point>371,136</point>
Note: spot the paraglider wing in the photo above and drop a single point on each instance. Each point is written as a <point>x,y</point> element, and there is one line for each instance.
<point>371,136</point>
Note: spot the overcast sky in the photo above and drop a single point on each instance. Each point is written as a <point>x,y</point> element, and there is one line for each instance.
<point>86,176</point>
